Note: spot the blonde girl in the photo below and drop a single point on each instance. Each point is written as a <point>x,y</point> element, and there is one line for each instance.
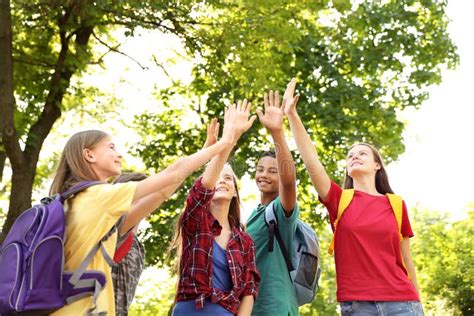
<point>91,155</point>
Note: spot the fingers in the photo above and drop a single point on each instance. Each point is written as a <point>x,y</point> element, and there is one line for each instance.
<point>247,106</point>
<point>265,101</point>
<point>252,119</point>
<point>260,114</point>
<point>211,126</point>
<point>290,88</point>
<point>276,100</point>
<point>295,100</point>
<point>284,105</point>
<point>216,130</point>
<point>243,106</point>
<point>239,105</point>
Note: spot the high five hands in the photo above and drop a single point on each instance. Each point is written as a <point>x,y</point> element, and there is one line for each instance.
<point>272,119</point>
<point>237,119</point>
<point>289,99</point>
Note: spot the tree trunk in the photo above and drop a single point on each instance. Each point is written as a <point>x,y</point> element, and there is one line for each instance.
<point>7,102</point>
<point>3,158</point>
<point>20,197</point>
<point>24,162</point>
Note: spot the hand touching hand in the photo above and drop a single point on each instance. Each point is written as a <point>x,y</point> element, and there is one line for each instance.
<point>212,133</point>
<point>289,100</point>
<point>230,126</point>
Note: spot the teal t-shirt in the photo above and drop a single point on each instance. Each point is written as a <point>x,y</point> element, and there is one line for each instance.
<point>276,293</point>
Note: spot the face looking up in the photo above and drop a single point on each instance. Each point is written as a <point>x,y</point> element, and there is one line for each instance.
<point>361,160</point>
<point>225,186</point>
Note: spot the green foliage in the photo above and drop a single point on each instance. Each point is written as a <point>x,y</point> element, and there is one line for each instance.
<point>155,293</point>
<point>356,64</point>
<point>325,302</point>
<point>444,260</point>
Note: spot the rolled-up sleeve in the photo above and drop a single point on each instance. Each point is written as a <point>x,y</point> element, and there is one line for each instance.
<point>197,203</point>
<point>251,273</point>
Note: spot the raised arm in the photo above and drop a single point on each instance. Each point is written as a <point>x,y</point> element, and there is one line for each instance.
<point>183,167</point>
<point>316,170</point>
<point>272,119</point>
<point>146,205</point>
<point>238,116</point>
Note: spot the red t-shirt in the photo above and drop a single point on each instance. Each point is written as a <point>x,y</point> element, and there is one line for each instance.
<point>367,249</point>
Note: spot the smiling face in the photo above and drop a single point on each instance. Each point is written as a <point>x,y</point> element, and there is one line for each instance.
<point>104,159</point>
<point>361,160</point>
<point>267,175</point>
<point>225,186</point>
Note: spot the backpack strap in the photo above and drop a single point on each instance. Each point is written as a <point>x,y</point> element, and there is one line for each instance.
<point>396,202</point>
<point>272,223</point>
<point>397,206</point>
<point>346,198</point>
<point>76,283</point>
<point>78,188</point>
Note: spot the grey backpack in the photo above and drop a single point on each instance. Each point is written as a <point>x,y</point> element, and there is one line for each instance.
<point>303,264</point>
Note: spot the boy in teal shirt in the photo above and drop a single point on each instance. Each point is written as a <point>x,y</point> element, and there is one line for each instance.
<point>276,180</point>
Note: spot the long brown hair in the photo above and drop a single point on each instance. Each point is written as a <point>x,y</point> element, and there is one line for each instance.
<point>73,167</point>
<point>381,177</point>
<point>234,221</point>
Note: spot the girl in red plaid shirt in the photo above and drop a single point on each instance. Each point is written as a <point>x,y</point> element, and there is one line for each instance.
<point>217,270</point>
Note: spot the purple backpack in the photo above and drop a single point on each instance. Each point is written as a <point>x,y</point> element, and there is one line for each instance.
<point>32,278</point>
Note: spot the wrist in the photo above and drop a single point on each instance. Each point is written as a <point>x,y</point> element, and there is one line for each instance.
<point>228,141</point>
<point>292,114</point>
<point>276,132</point>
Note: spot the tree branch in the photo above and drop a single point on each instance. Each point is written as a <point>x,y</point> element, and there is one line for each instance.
<point>115,49</point>
<point>33,63</point>
<point>3,158</point>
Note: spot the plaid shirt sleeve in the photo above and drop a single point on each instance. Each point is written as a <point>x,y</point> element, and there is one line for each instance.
<point>197,203</point>
<point>251,273</point>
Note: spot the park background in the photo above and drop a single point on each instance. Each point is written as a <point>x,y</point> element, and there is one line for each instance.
<point>395,73</point>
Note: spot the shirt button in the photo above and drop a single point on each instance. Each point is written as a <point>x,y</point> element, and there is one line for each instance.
<point>229,261</point>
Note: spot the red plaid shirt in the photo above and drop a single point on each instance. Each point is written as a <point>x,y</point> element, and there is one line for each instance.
<point>198,228</point>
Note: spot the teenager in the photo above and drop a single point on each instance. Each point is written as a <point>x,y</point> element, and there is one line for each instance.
<point>374,269</point>
<point>276,180</point>
<point>217,270</point>
<point>91,155</point>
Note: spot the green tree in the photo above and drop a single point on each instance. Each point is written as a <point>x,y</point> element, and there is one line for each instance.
<point>357,65</point>
<point>45,47</point>
<point>444,257</point>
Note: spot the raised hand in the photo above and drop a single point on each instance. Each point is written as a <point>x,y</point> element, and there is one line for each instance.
<point>242,120</point>
<point>272,119</point>
<point>289,100</point>
<point>230,126</point>
<point>212,133</point>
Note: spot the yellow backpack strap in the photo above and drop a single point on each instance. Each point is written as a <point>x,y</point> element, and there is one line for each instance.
<point>397,207</point>
<point>344,202</point>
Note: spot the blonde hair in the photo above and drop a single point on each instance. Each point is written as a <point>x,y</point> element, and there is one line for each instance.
<point>73,167</point>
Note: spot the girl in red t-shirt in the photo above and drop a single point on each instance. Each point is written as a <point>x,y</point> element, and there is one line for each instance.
<point>375,272</point>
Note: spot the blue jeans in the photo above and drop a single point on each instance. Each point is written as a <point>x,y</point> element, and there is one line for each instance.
<point>368,308</point>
